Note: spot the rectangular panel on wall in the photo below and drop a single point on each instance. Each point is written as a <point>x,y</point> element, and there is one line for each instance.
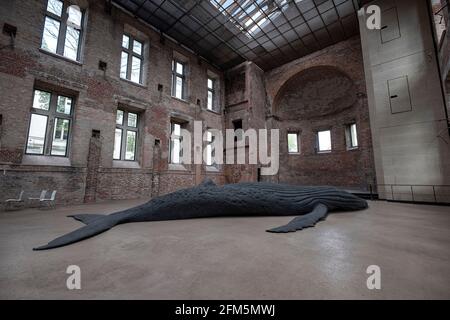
<point>390,29</point>
<point>399,95</point>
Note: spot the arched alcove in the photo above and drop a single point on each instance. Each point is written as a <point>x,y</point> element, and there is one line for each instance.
<point>315,92</point>
<point>323,98</point>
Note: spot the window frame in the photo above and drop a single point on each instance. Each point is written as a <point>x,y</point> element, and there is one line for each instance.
<point>210,144</point>
<point>61,40</point>
<point>318,142</point>
<point>297,135</point>
<point>177,137</point>
<point>51,115</point>
<point>176,75</point>
<point>123,139</point>
<point>213,93</point>
<point>348,136</point>
<point>130,54</point>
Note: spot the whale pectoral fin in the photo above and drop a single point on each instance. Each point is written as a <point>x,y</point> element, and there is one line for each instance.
<point>86,218</point>
<point>319,212</point>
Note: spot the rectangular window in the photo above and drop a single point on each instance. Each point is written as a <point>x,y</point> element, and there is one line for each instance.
<point>293,142</point>
<point>51,116</point>
<point>176,147</point>
<point>131,59</point>
<point>211,94</point>
<point>62,29</point>
<point>178,79</point>
<point>324,141</point>
<point>351,136</point>
<point>125,136</point>
<point>210,150</point>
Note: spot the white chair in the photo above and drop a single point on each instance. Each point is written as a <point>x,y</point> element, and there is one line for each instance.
<point>14,204</point>
<point>48,203</point>
<point>41,197</point>
<point>16,200</point>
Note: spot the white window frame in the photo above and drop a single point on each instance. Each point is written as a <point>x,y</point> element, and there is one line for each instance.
<point>130,55</point>
<point>63,24</point>
<point>352,141</point>
<point>52,115</point>
<point>319,150</point>
<point>182,76</point>
<point>297,137</point>
<point>173,138</point>
<point>124,134</point>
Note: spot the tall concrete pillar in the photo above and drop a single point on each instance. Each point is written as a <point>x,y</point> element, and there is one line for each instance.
<point>407,108</point>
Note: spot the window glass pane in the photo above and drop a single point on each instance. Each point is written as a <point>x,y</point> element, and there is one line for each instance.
<point>209,150</point>
<point>210,84</point>
<point>135,69</point>
<point>55,7</point>
<point>179,88</point>
<point>208,155</point>
<point>60,136</point>
<point>124,65</point>
<point>119,117</point>
<point>179,68</point>
<point>41,100</point>
<point>210,100</point>
<point>64,105</point>
<point>50,36</point>
<point>176,148</point>
<point>117,144</point>
<point>137,47</point>
<point>74,18</point>
<point>292,142</point>
<point>126,41</point>
<point>36,134</point>
<point>324,140</point>
<point>354,135</point>
<point>72,41</point>
<point>132,120</point>
<point>131,145</point>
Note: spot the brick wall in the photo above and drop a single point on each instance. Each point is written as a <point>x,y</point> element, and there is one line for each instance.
<point>98,94</point>
<point>323,91</point>
<point>248,94</point>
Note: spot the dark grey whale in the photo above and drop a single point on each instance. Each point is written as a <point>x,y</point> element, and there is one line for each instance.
<point>311,204</point>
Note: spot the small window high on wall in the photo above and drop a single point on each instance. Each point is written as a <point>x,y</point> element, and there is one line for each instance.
<point>63,29</point>
<point>211,94</point>
<point>293,143</point>
<point>351,136</point>
<point>50,123</point>
<point>324,141</point>
<point>178,79</point>
<point>126,136</point>
<point>131,60</point>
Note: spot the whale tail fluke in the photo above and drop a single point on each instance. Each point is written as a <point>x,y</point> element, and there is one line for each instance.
<point>96,224</point>
<point>319,212</point>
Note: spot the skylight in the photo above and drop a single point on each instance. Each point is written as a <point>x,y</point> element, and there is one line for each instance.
<point>250,16</point>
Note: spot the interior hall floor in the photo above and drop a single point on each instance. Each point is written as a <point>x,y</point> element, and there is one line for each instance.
<point>230,258</point>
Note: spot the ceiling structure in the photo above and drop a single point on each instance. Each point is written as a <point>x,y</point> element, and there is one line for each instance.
<point>267,32</point>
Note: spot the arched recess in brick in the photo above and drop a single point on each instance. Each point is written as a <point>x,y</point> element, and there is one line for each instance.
<point>322,98</point>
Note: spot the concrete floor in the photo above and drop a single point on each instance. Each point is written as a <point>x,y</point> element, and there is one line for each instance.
<point>231,258</point>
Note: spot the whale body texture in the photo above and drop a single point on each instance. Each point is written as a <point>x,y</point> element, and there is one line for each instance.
<point>310,204</point>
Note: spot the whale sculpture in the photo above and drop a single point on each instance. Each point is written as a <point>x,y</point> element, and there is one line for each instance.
<point>311,204</point>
